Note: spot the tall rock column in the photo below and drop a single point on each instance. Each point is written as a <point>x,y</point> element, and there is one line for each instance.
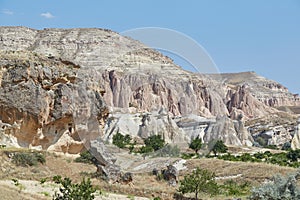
<point>296,139</point>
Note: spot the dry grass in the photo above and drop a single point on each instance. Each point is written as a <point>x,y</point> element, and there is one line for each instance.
<point>144,184</point>
<point>255,173</point>
<point>10,193</point>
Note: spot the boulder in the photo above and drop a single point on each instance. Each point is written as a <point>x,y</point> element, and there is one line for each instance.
<point>171,175</point>
<point>105,161</point>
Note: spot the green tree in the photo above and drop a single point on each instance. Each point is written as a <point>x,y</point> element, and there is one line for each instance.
<point>293,155</point>
<point>72,191</point>
<point>200,181</point>
<point>196,144</point>
<point>120,140</point>
<point>219,147</point>
<point>155,142</point>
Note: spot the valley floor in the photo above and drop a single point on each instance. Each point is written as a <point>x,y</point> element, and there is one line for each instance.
<point>144,183</point>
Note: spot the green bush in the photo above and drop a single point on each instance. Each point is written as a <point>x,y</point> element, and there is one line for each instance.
<point>73,191</point>
<point>280,188</point>
<point>293,155</point>
<point>155,142</point>
<point>121,140</point>
<point>196,144</point>
<point>286,146</point>
<point>145,149</point>
<point>219,147</point>
<point>28,158</point>
<point>85,157</point>
<point>187,156</point>
<point>283,159</point>
<point>232,188</point>
<point>200,181</point>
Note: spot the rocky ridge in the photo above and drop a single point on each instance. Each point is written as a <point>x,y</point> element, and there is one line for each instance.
<point>68,70</point>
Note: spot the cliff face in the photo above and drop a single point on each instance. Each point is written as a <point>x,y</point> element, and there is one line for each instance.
<point>269,92</point>
<point>47,104</point>
<point>52,82</point>
<point>132,75</point>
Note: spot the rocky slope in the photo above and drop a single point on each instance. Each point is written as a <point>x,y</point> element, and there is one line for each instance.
<point>269,92</point>
<point>131,73</point>
<point>52,82</point>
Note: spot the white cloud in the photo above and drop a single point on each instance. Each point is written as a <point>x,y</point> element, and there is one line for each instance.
<point>47,15</point>
<point>7,12</point>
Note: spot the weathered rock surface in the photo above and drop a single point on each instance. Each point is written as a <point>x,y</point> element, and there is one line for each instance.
<point>132,75</point>
<point>178,130</point>
<point>295,144</point>
<point>266,91</point>
<point>230,132</point>
<point>275,129</point>
<point>47,104</point>
<point>105,161</point>
<point>51,98</point>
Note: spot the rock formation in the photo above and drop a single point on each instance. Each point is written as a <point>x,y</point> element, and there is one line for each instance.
<point>105,161</point>
<point>230,132</point>
<point>266,91</point>
<point>54,82</point>
<point>132,74</point>
<point>48,104</point>
<point>296,140</point>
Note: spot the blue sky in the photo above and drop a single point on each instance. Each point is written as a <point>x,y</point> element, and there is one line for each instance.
<point>249,35</point>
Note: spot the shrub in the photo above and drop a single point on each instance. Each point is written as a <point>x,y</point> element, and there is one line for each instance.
<point>155,142</point>
<point>219,147</point>
<point>187,156</point>
<point>280,188</point>
<point>200,181</point>
<point>261,141</point>
<point>196,144</point>
<point>120,140</point>
<point>286,146</point>
<point>294,155</point>
<point>85,157</point>
<point>145,149</point>
<point>28,158</point>
<point>72,191</point>
<point>232,188</point>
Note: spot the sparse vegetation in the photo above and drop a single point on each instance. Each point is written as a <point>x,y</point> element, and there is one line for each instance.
<point>18,184</point>
<point>73,191</point>
<point>279,188</point>
<point>28,158</point>
<point>289,159</point>
<point>85,157</point>
<point>155,142</point>
<point>152,143</point>
<point>199,181</point>
<point>232,188</point>
<point>219,147</point>
<point>196,144</point>
<point>121,141</point>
